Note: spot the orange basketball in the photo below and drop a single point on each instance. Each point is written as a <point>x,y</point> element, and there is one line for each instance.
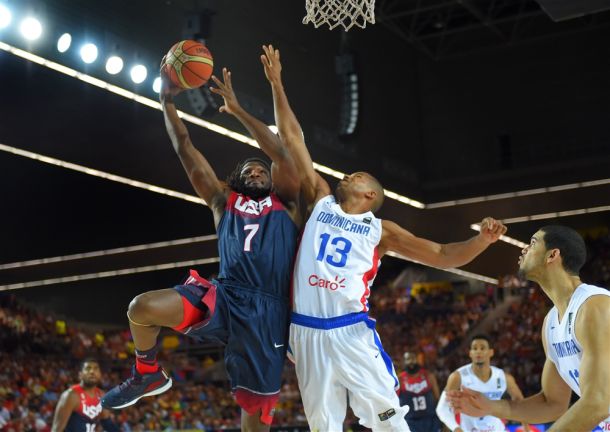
<point>188,64</point>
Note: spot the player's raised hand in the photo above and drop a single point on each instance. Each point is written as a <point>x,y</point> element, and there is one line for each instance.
<point>492,230</point>
<point>168,90</point>
<point>469,402</point>
<point>271,64</point>
<point>225,89</point>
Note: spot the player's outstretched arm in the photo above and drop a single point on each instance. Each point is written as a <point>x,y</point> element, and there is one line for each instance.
<point>543,407</point>
<point>284,172</point>
<point>401,241</point>
<point>68,402</point>
<point>312,185</point>
<point>200,173</point>
<point>592,327</point>
<point>515,394</point>
<point>445,413</point>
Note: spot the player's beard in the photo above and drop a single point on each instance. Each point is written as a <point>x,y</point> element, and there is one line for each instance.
<point>255,192</point>
<point>413,369</point>
<point>90,383</point>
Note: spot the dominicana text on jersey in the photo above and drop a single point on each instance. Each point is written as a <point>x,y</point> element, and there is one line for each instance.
<point>338,280</point>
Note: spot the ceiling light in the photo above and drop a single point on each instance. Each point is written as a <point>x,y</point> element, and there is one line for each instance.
<point>114,65</point>
<point>64,42</point>
<point>157,85</point>
<point>30,28</point>
<point>5,16</point>
<point>88,53</point>
<point>138,73</point>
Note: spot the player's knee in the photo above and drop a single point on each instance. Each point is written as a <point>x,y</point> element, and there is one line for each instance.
<point>141,308</point>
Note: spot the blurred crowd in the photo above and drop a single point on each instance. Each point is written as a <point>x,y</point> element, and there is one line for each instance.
<point>40,353</point>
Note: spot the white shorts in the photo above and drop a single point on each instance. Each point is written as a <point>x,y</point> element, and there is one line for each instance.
<point>345,365</point>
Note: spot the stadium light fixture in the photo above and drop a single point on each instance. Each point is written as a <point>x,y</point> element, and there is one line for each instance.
<point>5,17</point>
<point>157,85</point>
<point>30,28</point>
<point>138,73</point>
<point>114,65</point>
<point>64,42</point>
<point>88,53</point>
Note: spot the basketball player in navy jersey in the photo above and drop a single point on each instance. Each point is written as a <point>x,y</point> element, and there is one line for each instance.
<point>79,408</point>
<point>419,390</point>
<point>337,352</point>
<point>246,308</point>
<point>574,337</point>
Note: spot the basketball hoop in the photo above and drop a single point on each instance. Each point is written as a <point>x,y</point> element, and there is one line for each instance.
<point>345,13</point>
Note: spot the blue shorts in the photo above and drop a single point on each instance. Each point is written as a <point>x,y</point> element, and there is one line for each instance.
<point>424,424</point>
<point>252,325</point>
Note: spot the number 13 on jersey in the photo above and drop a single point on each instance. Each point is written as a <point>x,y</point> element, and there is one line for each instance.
<point>342,246</point>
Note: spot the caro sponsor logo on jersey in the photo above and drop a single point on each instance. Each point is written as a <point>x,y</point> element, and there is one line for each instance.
<point>344,223</point>
<point>253,207</point>
<point>333,285</point>
<point>416,387</point>
<point>566,348</point>
<point>92,411</point>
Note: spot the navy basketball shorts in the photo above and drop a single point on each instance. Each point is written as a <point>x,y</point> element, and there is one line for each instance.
<point>424,424</point>
<point>252,325</point>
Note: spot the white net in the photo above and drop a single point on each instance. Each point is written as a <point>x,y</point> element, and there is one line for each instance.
<point>345,13</point>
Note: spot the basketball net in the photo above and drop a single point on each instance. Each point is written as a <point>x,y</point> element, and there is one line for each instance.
<point>345,13</point>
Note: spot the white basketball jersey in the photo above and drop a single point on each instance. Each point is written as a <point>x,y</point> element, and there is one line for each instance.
<point>337,261</point>
<point>562,347</point>
<point>493,388</point>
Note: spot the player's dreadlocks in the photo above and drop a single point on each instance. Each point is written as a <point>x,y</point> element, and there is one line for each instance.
<point>237,182</point>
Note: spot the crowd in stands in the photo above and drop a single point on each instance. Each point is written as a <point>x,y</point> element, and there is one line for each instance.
<point>40,354</point>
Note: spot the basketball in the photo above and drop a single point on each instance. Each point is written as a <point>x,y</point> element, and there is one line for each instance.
<point>188,64</point>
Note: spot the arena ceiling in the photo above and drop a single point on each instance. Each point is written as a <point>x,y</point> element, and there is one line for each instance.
<point>51,211</point>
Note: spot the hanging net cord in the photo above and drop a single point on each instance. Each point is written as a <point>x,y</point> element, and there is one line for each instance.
<point>345,13</point>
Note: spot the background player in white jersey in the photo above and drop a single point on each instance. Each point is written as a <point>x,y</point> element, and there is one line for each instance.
<point>481,376</point>
<point>336,350</point>
<point>574,336</point>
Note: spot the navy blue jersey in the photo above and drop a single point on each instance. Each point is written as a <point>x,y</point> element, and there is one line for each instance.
<point>87,416</point>
<point>257,242</point>
<point>416,391</point>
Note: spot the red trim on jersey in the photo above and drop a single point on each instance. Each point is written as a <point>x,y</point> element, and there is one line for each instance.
<point>419,377</point>
<point>87,401</point>
<point>252,402</point>
<point>369,276</point>
<point>234,197</point>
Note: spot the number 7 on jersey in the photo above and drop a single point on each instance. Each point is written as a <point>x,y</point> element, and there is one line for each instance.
<point>253,228</point>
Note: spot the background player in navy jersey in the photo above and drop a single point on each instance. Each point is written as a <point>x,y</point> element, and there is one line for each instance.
<point>333,341</point>
<point>419,390</point>
<point>79,408</point>
<point>246,308</point>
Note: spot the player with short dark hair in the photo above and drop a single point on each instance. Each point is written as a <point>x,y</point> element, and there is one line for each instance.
<point>479,375</point>
<point>419,390</point>
<point>574,337</point>
<point>337,352</point>
<point>79,408</point>
<point>246,307</point>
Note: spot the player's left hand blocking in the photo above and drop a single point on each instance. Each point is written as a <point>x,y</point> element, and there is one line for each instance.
<point>225,89</point>
<point>491,230</point>
<point>271,64</point>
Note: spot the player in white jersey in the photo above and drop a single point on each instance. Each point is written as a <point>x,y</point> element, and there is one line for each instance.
<point>574,336</point>
<point>337,352</point>
<point>482,377</point>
